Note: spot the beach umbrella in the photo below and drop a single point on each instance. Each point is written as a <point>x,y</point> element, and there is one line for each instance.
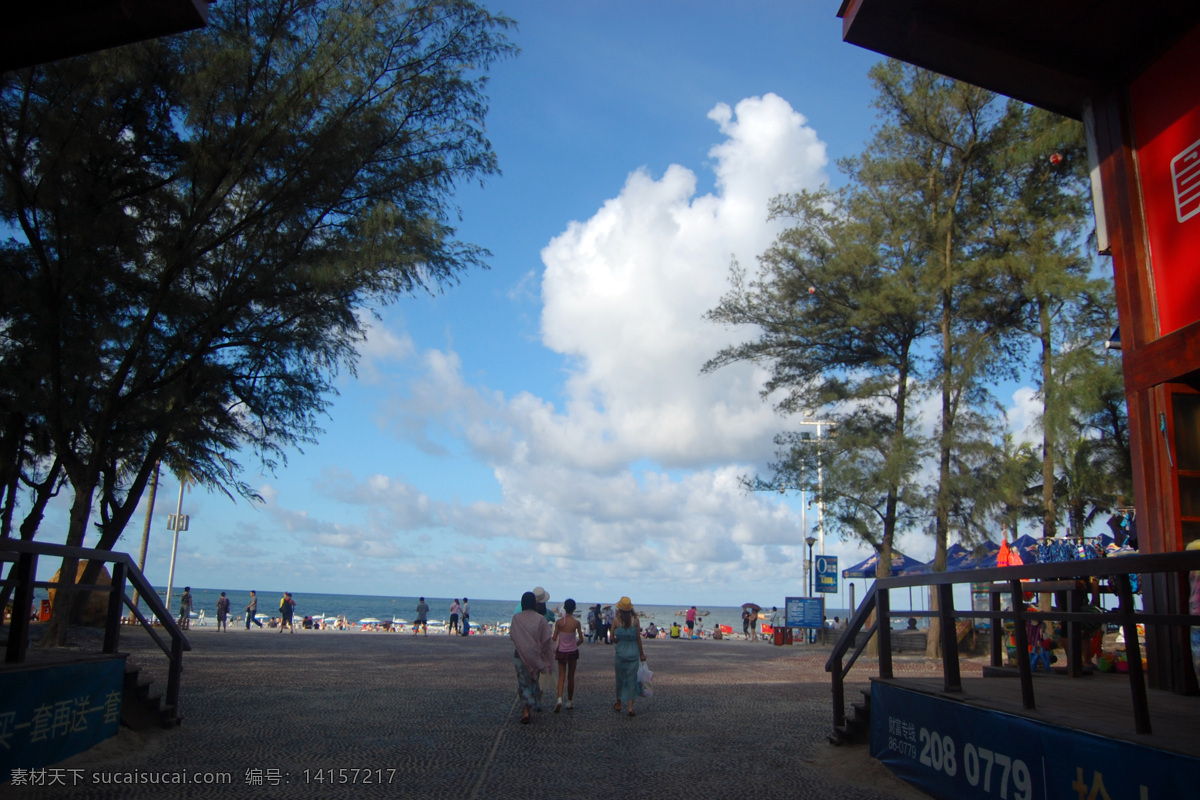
<point>369,621</point>
<point>754,606</point>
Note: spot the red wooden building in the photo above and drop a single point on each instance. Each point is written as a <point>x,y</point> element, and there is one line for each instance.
<point>1130,70</point>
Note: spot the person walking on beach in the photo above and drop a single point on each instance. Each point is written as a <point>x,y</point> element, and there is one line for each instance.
<point>422,621</point>
<point>185,608</point>
<point>627,633</point>
<point>223,613</point>
<point>466,617</point>
<point>287,607</point>
<point>609,617</point>
<point>690,619</point>
<point>252,611</point>
<point>568,635</point>
<point>532,654</point>
<point>746,622</point>
<point>455,610</point>
<point>593,620</point>
<point>543,597</point>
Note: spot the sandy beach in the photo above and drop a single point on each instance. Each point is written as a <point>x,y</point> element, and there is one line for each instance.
<point>321,713</point>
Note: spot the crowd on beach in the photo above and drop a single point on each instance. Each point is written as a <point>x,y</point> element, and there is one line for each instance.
<point>597,623</point>
<point>459,624</point>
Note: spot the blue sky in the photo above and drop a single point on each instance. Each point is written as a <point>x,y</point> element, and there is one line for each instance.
<point>545,421</point>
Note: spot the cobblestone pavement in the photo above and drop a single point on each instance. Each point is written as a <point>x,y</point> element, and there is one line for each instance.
<point>436,717</point>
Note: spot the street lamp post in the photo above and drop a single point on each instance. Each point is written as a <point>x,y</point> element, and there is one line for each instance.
<point>810,541</point>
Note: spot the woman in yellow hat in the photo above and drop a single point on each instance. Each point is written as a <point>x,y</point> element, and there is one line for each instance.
<point>627,633</point>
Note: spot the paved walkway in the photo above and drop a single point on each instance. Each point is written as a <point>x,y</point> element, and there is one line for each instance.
<point>436,717</point>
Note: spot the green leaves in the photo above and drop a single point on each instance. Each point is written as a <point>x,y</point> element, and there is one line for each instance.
<point>957,244</point>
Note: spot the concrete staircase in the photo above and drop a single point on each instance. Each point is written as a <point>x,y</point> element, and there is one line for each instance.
<point>857,729</point>
<point>140,708</point>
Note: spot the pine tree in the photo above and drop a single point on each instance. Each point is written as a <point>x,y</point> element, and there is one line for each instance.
<point>202,220</point>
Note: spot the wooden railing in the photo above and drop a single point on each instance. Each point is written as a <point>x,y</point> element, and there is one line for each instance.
<point>22,577</point>
<point>1072,579</point>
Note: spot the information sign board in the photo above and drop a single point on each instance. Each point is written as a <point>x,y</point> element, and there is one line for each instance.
<point>805,612</point>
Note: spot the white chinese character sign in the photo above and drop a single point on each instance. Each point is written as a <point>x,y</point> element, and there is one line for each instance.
<point>1185,179</point>
<point>52,713</point>
<point>1166,119</point>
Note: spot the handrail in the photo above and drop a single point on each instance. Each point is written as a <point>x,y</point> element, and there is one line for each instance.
<point>834,664</point>
<point>24,555</point>
<point>1057,577</point>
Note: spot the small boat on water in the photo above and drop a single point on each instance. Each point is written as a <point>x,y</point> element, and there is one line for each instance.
<point>683,613</point>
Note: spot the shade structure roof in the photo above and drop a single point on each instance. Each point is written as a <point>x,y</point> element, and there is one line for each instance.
<point>1053,55</point>
<point>866,568</point>
<point>971,559</point>
<point>958,558</point>
<point>38,32</point>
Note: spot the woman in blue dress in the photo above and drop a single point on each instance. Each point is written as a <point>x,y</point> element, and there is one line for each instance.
<point>627,633</point>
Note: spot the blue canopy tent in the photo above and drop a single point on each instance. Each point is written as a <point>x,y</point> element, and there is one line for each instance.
<point>901,564</point>
<point>970,559</point>
<point>958,557</point>
<point>866,569</point>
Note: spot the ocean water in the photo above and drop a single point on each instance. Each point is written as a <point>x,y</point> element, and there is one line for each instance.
<point>486,611</point>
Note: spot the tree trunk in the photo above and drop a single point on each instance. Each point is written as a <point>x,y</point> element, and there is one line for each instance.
<point>933,645</point>
<point>44,492</point>
<point>146,527</point>
<point>1049,511</point>
<point>63,605</point>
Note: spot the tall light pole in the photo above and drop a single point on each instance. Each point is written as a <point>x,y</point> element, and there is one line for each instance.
<point>175,522</point>
<point>810,540</point>
<point>821,425</point>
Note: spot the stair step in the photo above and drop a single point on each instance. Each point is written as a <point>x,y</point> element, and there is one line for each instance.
<point>842,735</point>
<point>849,734</point>
<point>167,717</point>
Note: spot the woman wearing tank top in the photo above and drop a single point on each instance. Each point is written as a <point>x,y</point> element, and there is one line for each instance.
<point>568,635</point>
